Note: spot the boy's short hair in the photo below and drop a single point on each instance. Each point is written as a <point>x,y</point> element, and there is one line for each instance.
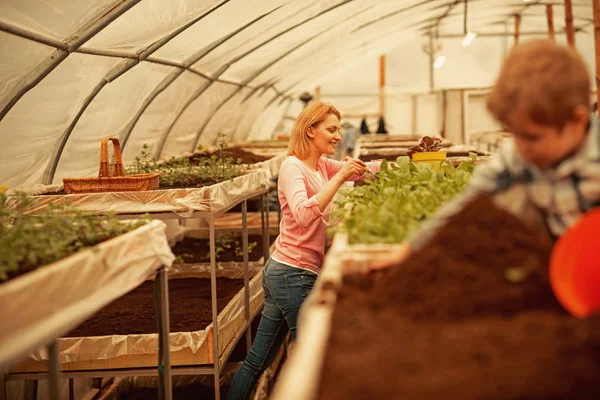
<point>311,116</point>
<point>542,80</point>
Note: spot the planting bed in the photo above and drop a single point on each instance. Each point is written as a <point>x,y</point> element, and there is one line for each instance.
<point>471,316</point>
<point>392,157</point>
<point>198,183</point>
<point>187,392</point>
<point>198,250</point>
<point>235,152</point>
<point>189,308</point>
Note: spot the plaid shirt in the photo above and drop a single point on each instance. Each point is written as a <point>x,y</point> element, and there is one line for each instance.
<point>562,194</point>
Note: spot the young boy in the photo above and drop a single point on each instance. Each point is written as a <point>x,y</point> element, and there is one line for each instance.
<point>542,96</point>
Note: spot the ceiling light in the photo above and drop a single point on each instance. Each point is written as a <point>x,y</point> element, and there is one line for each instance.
<point>469,39</point>
<point>439,62</point>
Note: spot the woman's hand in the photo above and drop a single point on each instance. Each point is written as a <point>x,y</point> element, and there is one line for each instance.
<point>352,167</point>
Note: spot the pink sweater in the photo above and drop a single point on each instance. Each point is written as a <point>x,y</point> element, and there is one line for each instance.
<point>301,240</point>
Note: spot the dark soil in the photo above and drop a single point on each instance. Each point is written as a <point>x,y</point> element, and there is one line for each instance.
<point>190,308</point>
<point>447,324</point>
<point>235,152</point>
<point>371,157</point>
<point>198,250</point>
<point>59,192</point>
<point>196,391</point>
<point>197,184</point>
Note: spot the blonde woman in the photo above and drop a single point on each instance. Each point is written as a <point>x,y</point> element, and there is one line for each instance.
<point>306,185</point>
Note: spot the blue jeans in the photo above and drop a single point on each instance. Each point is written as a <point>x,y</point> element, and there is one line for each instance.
<point>285,289</point>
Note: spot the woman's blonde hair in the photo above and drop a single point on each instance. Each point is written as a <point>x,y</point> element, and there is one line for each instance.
<point>311,116</point>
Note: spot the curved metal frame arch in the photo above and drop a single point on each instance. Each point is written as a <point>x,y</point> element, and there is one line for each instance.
<point>187,63</point>
<point>113,74</point>
<point>238,58</point>
<point>103,19</point>
<point>72,43</point>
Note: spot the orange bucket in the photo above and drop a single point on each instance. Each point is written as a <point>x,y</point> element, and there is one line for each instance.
<point>575,266</point>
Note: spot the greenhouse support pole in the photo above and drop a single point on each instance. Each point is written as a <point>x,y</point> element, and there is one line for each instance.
<point>264,218</point>
<point>71,389</point>
<point>569,23</point>
<point>261,207</point>
<point>2,386</point>
<point>517,28</point>
<point>550,17</point>
<point>164,350</point>
<point>246,274</point>
<point>415,113</point>
<point>382,86</point>
<point>31,389</point>
<point>596,9</point>
<point>267,223</point>
<point>213,297</point>
<point>431,61</point>
<point>54,371</point>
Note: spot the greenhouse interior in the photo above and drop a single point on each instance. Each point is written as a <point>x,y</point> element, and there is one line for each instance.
<point>299,199</point>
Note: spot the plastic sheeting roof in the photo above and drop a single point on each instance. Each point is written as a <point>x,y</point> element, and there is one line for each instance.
<point>173,74</point>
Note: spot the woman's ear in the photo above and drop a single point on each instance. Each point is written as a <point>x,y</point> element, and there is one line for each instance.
<point>310,132</point>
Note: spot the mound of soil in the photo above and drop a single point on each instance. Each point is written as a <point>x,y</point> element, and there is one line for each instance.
<point>198,250</point>
<point>190,308</point>
<point>235,152</point>
<point>471,316</point>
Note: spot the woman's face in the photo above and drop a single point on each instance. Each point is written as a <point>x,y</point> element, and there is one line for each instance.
<point>326,135</point>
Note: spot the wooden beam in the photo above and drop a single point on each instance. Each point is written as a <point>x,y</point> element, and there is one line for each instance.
<point>550,16</point>
<point>517,28</point>
<point>569,23</point>
<point>497,34</point>
<point>382,85</point>
<point>317,95</point>
<point>596,8</point>
<point>415,113</point>
<point>431,61</point>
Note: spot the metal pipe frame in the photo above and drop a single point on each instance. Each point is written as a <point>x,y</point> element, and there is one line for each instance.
<point>164,351</point>
<point>267,228</point>
<point>246,273</point>
<point>2,386</point>
<point>117,372</point>
<point>54,371</point>
<point>163,316</point>
<point>215,314</point>
<point>103,19</point>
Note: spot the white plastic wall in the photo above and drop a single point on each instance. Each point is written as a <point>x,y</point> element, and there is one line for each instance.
<point>58,96</point>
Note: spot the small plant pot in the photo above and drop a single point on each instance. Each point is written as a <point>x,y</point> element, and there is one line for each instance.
<point>429,157</point>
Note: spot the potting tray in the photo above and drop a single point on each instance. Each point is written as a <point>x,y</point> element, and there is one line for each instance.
<point>196,251</point>
<point>34,312</point>
<point>473,341</point>
<point>191,340</point>
<point>182,202</point>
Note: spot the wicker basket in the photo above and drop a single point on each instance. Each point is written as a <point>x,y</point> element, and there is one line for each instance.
<point>115,181</point>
